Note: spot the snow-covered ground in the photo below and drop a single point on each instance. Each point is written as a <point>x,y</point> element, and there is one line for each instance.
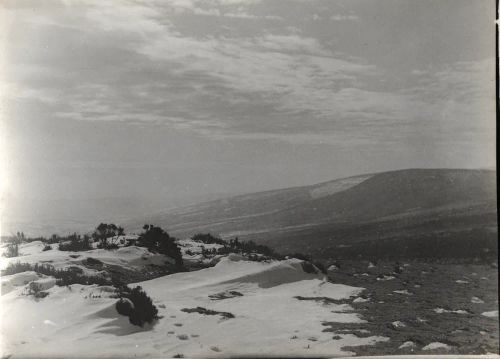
<point>82,320</point>
<point>127,257</point>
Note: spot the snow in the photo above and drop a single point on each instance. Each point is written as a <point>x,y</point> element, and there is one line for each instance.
<point>330,188</point>
<point>408,344</point>
<point>436,345</point>
<point>398,324</point>
<point>360,300</point>
<point>442,310</point>
<point>461,281</point>
<point>492,314</point>
<point>10,282</point>
<point>476,300</point>
<point>385,277</point>
<point>128,257</point>
<point>404,292</point>
<point>79,319</point>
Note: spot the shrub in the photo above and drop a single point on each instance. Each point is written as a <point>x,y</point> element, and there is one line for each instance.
<point>138,306</point>
<point>75,243</point>
<point>35,289</point>
<point>206,311</point>
<point>12,250</point>
<point>17,267</point>
<point>13,246</point>
<point>207,238</point>
<point>124,306</point>
<point>105,231</point>
<point>47,247</point>
<point>248,247</point>
<point>156,240</point>
<point>72,275</point>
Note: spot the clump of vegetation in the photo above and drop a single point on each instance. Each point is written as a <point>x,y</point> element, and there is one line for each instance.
<point>251,247</point>
<point>13,246</point>
<point>35,289</point>
<point>206,311</point>
<point>156,240</point>
<point>72,275</point>
<point>47,247</point>
<point>225,295</point>
<point>75,243</point>
<point>137,305</point>
<point>104,232</point>
<point>207,238</point>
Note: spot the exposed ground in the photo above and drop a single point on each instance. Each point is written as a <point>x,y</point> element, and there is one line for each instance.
<point>423,304</point>
<point>240,307</point>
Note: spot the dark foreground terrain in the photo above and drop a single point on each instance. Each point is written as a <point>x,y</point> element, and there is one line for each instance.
<point>419,303</point>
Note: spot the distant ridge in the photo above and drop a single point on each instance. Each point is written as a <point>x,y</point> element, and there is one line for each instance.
<point>382,206</point>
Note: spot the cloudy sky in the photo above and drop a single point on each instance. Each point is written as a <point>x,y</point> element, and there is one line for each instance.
<point>174,98</point>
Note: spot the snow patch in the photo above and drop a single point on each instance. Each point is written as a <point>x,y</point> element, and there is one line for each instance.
<point>398,324</point>
<point>408,344</point>
<point>436,345</point>
<point>442,310</point>
<point>492,314</point>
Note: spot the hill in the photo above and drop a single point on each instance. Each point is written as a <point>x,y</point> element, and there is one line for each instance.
<point>410,213</point>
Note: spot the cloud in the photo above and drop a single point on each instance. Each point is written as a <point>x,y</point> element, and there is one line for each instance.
<point>134,63</point>
<point>341,17</point>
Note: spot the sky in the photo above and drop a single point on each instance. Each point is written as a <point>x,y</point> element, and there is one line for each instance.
<point>166,99</point>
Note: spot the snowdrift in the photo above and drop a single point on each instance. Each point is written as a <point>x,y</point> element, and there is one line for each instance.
<point>73,321</point>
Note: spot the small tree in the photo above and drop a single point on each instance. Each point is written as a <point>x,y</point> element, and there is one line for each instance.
<point>104,231</point>
<point>158,241</point>
<point>137,306</point>
<point>13,246</point>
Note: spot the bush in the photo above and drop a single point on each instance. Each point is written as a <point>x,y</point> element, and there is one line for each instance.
<point>72,275</point>
<point>105,231</point>
<point>124,306</point>
<point>137,306</point>
<point>207,238</point>
<point>35,290</point>
<point>12,250</point>
<point>13,246</point>
<point>75,243</point>
<point>156,240</point>
<point>206,311</point>
<point>247,247</point>
<point>47,247</point>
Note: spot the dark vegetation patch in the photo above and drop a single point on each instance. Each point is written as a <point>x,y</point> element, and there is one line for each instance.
<point>325,300</point>
<point>433,286</point>
<point>207,238</point>
<point>93,262</point>
<point>75,243</point>
<point>156,240</point>
<point>72,275</point>
<point>35,289</point>
<point>225,295</point>
<point>206,311</point>
<point>137,305</point>
<point>13,243</point>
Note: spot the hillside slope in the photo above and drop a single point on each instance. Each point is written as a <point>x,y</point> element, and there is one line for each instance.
<point>215,312</point>
<point>407,205</point>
